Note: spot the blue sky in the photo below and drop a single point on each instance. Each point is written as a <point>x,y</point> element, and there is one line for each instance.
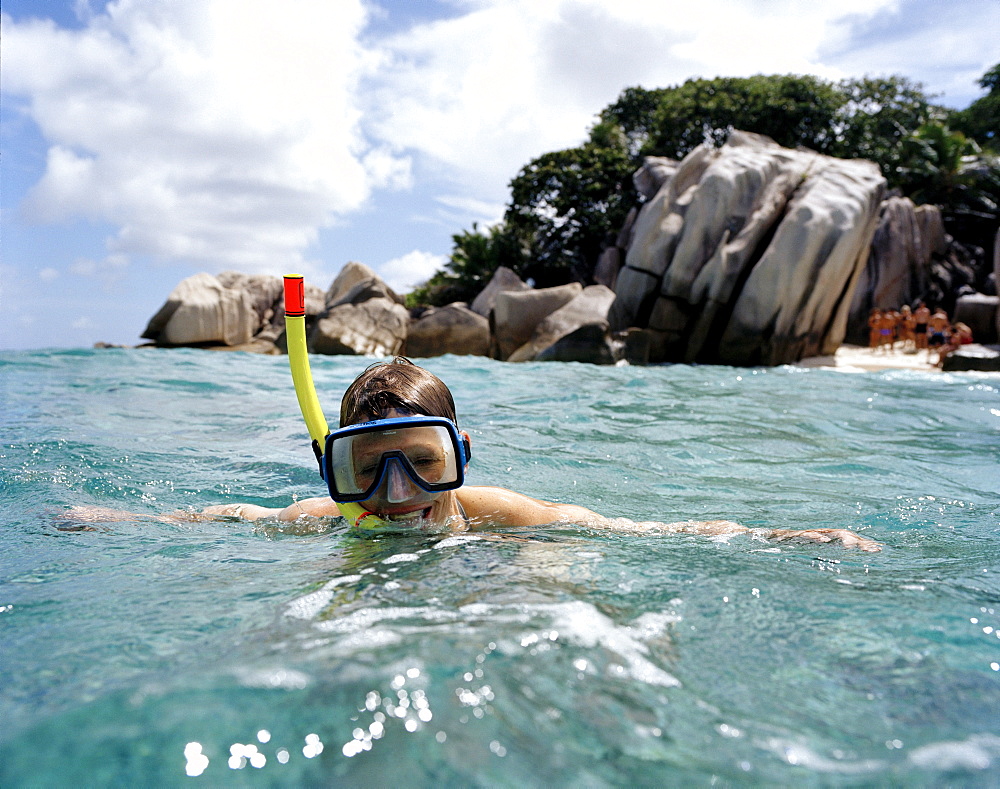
<point>142,142</point>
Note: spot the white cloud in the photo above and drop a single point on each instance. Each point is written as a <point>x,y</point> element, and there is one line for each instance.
<point>228,133</point>
<point>218,132</point>
<point>487,213</point>
<point>484,92</point>
<point>405,273</point>
<point>48,274</point>
<point>110,270</point>
<point>83,323</point>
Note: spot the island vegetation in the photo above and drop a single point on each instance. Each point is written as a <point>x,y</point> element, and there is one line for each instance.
<point>567,206</point>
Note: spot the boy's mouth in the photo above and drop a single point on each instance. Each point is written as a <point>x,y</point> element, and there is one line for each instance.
<point>404,517</point>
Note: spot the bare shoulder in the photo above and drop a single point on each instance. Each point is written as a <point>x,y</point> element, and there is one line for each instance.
<point>502,507</point>
<point>319,507</point>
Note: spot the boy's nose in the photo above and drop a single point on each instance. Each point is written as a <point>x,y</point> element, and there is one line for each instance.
<point>399,486</point>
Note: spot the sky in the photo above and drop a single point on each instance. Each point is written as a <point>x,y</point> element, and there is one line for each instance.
<point>144,141</point>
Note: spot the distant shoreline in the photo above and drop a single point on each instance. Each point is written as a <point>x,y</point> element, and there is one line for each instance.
<point>854,358</point>
<point>848,358</point>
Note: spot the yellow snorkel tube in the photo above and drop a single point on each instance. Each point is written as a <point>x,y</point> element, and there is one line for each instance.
<point>305,390</point>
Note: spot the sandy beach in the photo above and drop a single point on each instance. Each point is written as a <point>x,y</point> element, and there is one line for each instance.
<point>854,358</point>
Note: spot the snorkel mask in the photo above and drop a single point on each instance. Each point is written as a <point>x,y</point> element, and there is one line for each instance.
<point>426,451</point>
<point>358,461</point>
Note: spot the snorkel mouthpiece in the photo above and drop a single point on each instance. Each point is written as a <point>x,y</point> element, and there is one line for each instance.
<point>305,391</point>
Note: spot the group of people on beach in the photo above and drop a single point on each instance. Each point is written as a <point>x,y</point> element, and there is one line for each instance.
<point>916,330</point>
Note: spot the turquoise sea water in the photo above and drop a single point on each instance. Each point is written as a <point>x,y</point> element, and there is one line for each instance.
<point>230,653</point>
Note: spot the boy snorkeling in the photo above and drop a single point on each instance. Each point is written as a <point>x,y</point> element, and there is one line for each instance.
<point>400,455</point>
<point>398,461</point>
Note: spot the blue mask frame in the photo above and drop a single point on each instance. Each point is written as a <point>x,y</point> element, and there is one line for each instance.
<point>460,446</point>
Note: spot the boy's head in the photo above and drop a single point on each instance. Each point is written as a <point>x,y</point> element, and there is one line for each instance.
<point>399,385</point>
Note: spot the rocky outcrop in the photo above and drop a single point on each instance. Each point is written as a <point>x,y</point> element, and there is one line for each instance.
<point>504,280</point>
<point>357,283</point>
<point>981,358</point>
<point>746,254</point>
<point>363,316</point>
<point>203,311</point>
<point>979,312</point>
<point>653,174</point>
<point>591,344</point>
<point>266,294</point>
<point>996,273</point>
<point>376,327</point>
<point>230,311</point>
<point>452,329</point>
<point>898,268</point>
<point>588,309</point>
<point>749,254</point>
<point>516,314</point>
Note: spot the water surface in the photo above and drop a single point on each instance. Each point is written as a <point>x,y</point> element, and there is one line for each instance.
<point>232,653</point>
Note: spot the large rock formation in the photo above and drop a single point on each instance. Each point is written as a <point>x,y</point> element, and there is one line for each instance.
<point>749,254</point>
<point>267,299</point>
<point>452,329</point>
<point>504,280</point>
<point>588,309</point>
<point>899,266</point>
<point>979,312</point>
<point>363,316</point>
<point>516,314</point>
<point>203,311</point>
<point>981,358</point>
<point>996,273</point>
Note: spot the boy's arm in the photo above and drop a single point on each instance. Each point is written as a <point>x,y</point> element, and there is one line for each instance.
<point>318,507</point>
<point>506,508</point>
<point>502,507</point>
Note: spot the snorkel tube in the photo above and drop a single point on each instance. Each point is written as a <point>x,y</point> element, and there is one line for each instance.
<point>305,391</point>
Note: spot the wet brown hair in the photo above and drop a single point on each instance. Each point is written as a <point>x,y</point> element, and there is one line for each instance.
<point>399,384</point>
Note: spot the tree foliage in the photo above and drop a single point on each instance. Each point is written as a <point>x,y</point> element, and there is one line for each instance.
<point>476,254</point>
<point>981,119</point>
<point>875,119</point>
<point>938,164</point>
<point>566,206</point>
<point>945,168</point>
<point>634,114</point>
<point>792,110</point>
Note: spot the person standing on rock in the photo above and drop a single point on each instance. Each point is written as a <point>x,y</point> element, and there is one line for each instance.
<point>906,328</point>
<point>921,315</point>
<point>886,330</point>
<point>938,328</point>
<point>874,327</point>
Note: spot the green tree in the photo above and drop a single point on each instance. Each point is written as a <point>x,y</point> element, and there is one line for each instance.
<point>981,119</point>
<point>876,117</point>
<point>634,112</point>
<point>947,169</point>
<point>939,164</point>
<point>792,110</point>
<point>475,256</point>
<point>566,206</point>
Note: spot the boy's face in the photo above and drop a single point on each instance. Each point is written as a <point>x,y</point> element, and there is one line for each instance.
<point>398,498</point>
